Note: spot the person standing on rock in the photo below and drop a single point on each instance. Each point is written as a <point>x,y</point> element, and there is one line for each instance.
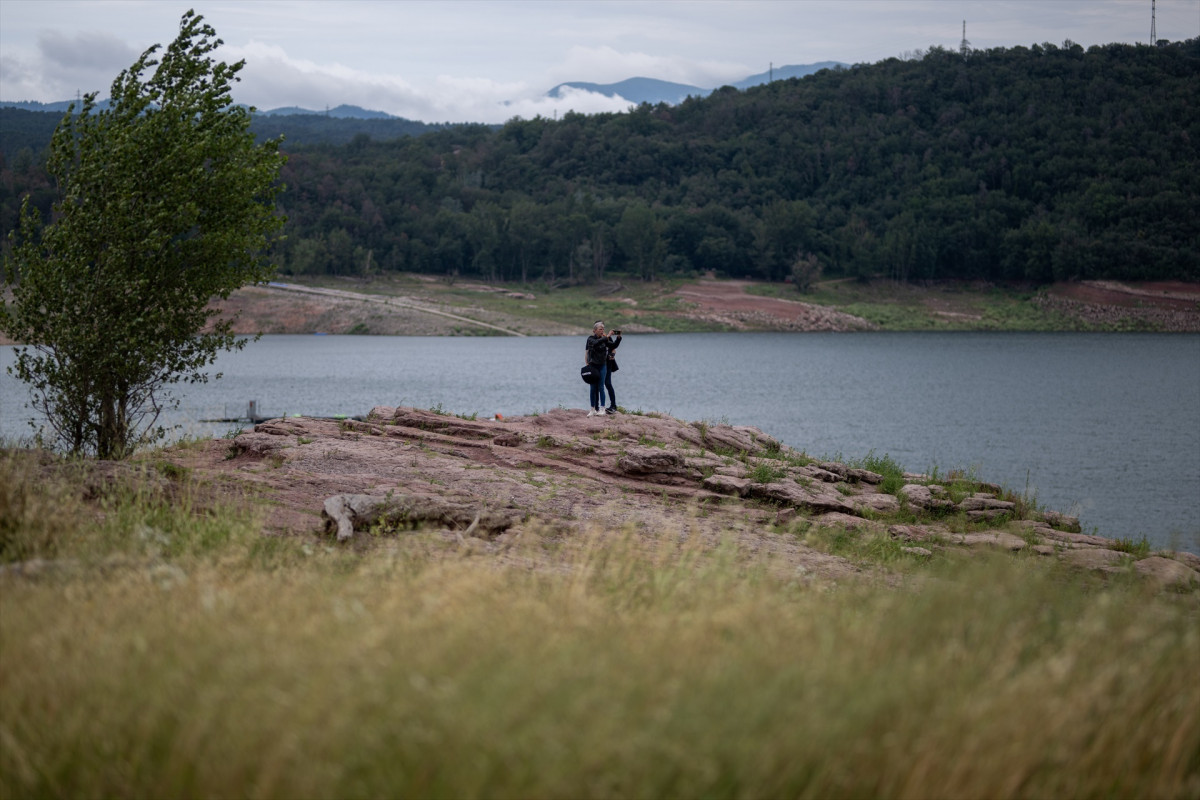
<point>614,342</point>
<point>595,354</point>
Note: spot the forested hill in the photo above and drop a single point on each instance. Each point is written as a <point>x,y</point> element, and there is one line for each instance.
<point>31,129</point>
<point>1029,164</point>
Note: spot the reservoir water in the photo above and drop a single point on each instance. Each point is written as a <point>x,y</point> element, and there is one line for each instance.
<point>1104,426</point>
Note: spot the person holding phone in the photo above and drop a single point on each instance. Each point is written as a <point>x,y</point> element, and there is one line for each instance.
<point>614,341</point>
<point>595,354</point>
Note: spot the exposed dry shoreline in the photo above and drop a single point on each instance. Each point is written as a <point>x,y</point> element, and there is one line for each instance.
<point>425,306</point>
<point>716,305</point>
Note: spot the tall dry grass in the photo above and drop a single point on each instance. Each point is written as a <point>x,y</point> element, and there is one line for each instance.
<point>231,665</point>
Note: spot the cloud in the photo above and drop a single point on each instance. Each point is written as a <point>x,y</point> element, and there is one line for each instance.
<point>488,61</point>
<point>94,52</point>
<point>272,79</point>
<point>571,99</point>
<point>62,65</point>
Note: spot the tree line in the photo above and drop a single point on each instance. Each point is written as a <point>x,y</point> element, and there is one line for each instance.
<point>1011,164</point>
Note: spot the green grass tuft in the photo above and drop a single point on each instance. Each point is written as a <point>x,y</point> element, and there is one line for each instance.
<point>885,465</point>
<point>767,473</point>
<point>1139,548</point>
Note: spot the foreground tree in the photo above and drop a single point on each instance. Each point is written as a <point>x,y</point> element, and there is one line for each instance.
<point>165,202</point>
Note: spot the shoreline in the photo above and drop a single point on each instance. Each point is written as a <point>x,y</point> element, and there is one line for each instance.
<point>404,304</point>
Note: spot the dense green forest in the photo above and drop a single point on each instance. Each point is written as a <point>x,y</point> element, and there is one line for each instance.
<point>1015,164</point>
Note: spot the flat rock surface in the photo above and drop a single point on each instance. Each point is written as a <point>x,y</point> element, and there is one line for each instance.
<point>563,473</point>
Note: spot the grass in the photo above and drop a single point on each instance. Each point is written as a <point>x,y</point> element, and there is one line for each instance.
<point>885,465</point>
<point>866,548</point>
<point>943,307</point>
<point>1136,547</point>
<point>763,472</point>
<point>198,658</point>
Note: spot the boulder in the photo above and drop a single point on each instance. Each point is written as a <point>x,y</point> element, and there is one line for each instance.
<point>725,484</point>
<point>1167,572</point>
<point>444,424</point>
<point>346,513</point>
<point>1189,559</point>
<point>864,476</point>
<point>739,438</point>
<point>1061,521</point>
<point>924,497</point>
<point>818,474</point>
<point>649,460</point>
<point>283,427</point>
<point>836,519</point>
<point>261,445</point>
<point>841,470</point>
<point>883,503</point>
<point>912,533</point>
<point>987,515</point>
<point>734,470</point>
<point>1100,560</point>
<point>817,498</point>
<point>1074,538</point>
<point>985,502</point>
<point>1001,539</point>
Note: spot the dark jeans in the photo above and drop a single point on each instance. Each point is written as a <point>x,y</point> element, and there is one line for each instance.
<point>598,388</point>
<point>612,395</point>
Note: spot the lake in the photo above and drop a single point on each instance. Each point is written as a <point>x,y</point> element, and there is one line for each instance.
<point>1104,426</point>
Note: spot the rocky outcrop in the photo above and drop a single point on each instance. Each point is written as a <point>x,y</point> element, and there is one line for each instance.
<point>402,469</point>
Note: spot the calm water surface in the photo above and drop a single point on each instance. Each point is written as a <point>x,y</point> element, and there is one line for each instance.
<point>1106,426</point>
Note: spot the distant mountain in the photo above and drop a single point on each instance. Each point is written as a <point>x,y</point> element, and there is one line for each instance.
<point>637,90</point>
<point>783,73</point>
<point>21,128</point>
<point>57,108</point>
<point>652,91</point>
<point>340,112</point>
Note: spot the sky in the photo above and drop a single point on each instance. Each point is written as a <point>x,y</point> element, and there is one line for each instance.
<point>492,60</point>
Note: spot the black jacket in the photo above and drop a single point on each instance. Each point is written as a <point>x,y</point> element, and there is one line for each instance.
<point>596,350</point>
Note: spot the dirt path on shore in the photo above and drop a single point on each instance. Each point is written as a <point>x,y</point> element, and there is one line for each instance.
<point>283,308</point>
<point>390,302</point>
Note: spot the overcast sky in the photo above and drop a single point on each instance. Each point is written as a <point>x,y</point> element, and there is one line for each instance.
<point>465,60</point>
